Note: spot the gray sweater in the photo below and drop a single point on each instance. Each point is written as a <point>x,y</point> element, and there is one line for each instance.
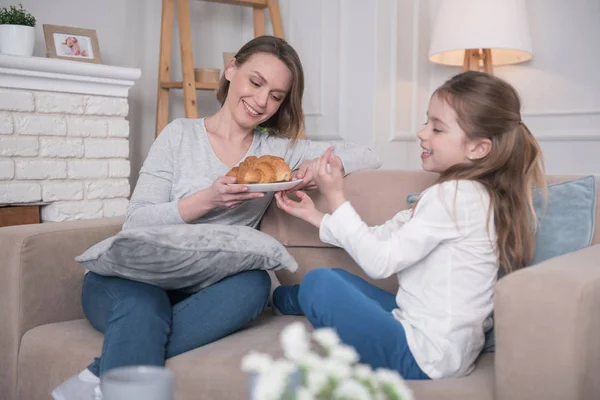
<point>182,161</point>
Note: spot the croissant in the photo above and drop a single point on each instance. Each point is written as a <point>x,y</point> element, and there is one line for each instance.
<point>264,169</point>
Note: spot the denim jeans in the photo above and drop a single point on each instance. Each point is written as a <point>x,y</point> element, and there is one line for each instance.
<point>145,325</point>
<point>361,314</point>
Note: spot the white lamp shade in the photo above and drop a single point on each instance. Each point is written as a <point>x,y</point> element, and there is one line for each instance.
<point>499,25</point>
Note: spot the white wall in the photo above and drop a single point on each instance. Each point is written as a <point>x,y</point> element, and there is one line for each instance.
<point>129,32</point>
<point>368,78</point>
<point>559,88</point>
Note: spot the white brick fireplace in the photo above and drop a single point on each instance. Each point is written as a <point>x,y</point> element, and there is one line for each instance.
<point>64,136</point>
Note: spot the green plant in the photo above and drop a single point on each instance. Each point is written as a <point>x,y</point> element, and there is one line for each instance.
<point>16,16</point>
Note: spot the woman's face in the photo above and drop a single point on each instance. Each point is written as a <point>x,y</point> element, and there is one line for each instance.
<point>256,88</point>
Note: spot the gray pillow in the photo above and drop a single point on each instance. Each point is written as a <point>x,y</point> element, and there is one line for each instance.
<point>188,257</point>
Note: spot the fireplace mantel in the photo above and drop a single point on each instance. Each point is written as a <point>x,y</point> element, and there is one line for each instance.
<point>57,75</point>
<point>64,136</point>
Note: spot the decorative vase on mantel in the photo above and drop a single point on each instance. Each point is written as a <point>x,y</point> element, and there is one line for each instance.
<point>17,31</point>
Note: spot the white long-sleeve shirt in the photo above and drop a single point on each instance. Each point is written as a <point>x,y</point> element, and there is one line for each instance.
<point>444,256</point>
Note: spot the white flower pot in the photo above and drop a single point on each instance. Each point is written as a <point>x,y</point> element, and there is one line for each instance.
<point>17,40</point>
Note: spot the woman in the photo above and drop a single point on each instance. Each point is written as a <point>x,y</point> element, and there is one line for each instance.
<point>183,181</point>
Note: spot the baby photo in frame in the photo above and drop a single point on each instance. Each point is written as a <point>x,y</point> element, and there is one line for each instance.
<point>69,43</point>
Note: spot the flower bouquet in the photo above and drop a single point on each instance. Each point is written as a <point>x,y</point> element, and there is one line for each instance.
<point>332,372</point>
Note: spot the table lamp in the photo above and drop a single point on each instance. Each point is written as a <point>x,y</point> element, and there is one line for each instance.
<point>478,34</point>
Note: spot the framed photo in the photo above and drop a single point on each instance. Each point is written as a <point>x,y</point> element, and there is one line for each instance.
<point>68,43</point>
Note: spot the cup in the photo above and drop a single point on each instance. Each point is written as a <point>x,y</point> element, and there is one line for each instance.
<point>140,382</point>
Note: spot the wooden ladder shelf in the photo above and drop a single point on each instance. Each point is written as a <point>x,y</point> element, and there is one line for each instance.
<point>189,85</point>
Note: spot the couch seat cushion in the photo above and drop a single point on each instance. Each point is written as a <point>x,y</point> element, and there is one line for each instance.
<point>51,353</point>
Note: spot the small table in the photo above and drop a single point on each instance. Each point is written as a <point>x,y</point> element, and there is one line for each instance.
<point>20,214</point>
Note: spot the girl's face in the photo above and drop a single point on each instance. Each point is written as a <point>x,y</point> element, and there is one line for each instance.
<point>256,88</point>
<point>443,141</point>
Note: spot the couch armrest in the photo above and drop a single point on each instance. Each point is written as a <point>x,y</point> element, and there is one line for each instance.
<point>547,326</point>
<point>40,280</point>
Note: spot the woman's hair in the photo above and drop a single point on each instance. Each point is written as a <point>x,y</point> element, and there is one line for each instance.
<point>288,121</point>
<point>489,108</point>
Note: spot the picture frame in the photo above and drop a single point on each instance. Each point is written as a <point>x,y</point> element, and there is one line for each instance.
<point>70,43</point>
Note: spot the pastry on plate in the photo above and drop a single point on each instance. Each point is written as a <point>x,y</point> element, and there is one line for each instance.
<point>264,169</point>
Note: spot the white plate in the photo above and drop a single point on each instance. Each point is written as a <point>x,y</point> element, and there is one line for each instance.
<point>271,187</point>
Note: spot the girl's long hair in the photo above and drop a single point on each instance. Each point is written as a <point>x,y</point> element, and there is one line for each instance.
<point>488,107</point>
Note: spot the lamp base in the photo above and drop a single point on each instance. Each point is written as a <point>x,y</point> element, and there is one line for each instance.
<point>478,60</point>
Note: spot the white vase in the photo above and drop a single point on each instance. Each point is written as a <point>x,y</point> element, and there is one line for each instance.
<point>17,40</point>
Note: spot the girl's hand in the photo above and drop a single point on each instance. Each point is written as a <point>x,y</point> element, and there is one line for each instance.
<point>328,174</point>
<point>304,209</point>
<point>223,195</point>
<point>305,172</point>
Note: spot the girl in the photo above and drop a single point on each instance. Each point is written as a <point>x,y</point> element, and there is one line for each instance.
<point>445,252</point>
<point>183,181</point>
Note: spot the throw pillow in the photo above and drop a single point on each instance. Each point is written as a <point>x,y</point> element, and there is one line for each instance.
<point>566,224</point>
<point>188,257</point>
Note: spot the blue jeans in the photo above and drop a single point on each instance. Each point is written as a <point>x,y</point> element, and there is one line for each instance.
<point>361,314</point>
<point>144,324</point>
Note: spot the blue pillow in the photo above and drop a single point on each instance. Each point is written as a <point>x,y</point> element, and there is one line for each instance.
<point>565,225</point>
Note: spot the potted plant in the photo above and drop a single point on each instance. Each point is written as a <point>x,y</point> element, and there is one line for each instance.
<point>17,33</point>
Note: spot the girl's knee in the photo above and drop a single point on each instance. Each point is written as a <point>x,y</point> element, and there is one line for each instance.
<point>319,277</point>
<point>341,271</point>
<point>316,285</point>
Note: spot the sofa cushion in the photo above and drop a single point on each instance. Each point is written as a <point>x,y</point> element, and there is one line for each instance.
<point>187,256</point>
<point>51,353</point>
<point>567,222</point>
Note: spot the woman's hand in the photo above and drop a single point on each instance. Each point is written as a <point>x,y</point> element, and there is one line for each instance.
<point>328,174</point>
<point>305,172</point>
<point>226,196</point>
<point>304,209</point>
<point>220,195</point>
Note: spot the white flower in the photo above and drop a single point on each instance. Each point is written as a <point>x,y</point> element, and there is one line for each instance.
<point>256,362</point>
<point>351,389</point>
<point>316,381</point>
<point>336,369</point>
<point>270,385</point>
<point>304,394</point>
<point>363,371</point>
<point>344,354</point>
<point>393,379</point>
<point>311,361</point>
<point>295,341</point>
<point>326,337</point>
<point>285,367</point>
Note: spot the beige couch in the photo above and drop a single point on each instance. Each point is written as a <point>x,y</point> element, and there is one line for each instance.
<point>547,332</point>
